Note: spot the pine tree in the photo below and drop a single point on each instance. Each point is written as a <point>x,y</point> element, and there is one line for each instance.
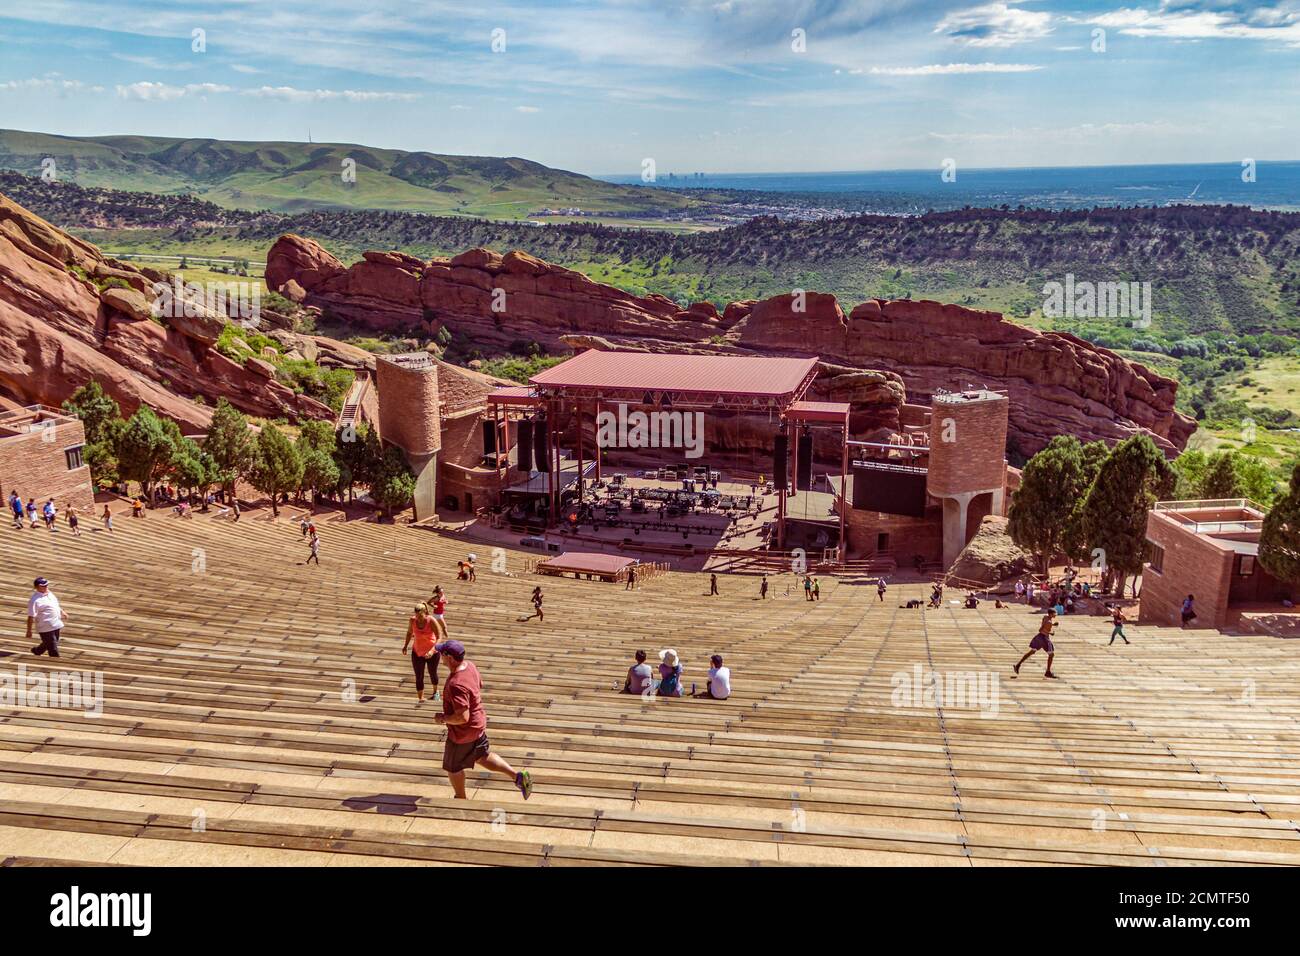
<point>145,448</point>
<point>1051,484</point>
<point>277,466</point>
<point>1221,479</point>
<point>394,485</point>
<point>230,445</point>
<point>1279,541</point>
<point>1129,483</point>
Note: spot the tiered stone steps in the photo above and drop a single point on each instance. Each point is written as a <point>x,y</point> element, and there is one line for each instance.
<point>260,711</point>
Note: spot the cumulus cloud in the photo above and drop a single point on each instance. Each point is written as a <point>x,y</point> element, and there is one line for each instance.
<point>995,25</point>
<point>1202,20</point>
<point>49,84</point>
<point>527,109</point>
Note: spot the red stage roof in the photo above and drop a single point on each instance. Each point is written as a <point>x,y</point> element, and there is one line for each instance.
<point>710,374</point>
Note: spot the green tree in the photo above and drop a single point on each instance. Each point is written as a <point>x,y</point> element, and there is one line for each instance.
<point>277,466</point>
<point>102,420</point>
<point>1258,482</point>
<point>1221,479</point>
<point>1279,541</point>
<point>230,446</point>
<point>96,410</point>
<point>145,448</point>
<point>359,456</point>
<point>1189,470</point>
<point>1129,483</point>
<point>394,485</point>
<point>1051,485</point>
<point>320,473</point>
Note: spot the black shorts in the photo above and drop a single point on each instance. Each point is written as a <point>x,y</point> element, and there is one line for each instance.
<point>457,757</point>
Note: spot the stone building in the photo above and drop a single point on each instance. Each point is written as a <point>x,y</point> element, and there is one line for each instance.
<point>41,458</point>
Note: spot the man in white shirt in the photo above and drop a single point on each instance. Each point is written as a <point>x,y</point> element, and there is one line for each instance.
<point>719,679</point>
<point>46,616</point>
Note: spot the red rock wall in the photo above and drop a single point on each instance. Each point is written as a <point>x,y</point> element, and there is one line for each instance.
<point>1057,383</point>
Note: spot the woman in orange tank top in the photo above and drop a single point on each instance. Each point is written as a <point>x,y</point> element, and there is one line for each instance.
<point>420,638</point>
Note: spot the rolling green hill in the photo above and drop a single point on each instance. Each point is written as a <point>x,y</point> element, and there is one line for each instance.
<point>296,177</point>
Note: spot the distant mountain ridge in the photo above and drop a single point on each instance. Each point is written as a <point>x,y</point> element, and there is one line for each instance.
<point>297,177</point>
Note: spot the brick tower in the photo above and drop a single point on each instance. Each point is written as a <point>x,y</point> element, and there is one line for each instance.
<point>409,419</point>
<point>968,468</point>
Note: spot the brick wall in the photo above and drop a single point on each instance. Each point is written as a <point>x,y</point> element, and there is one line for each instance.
<point>1193,564</point>
<point>408,406</point>
<point>974,458</point>
<point>908,536</point>
<point>35,465</point>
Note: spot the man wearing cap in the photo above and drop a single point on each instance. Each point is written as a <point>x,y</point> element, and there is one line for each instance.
<point>466,722</point>
<point>46,615</point>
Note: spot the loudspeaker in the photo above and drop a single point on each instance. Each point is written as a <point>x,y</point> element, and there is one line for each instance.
<point>541,446</point>
<point>780,462</point>
<point>803,462</point>
<point>489,437</point>
<point>524,442</point>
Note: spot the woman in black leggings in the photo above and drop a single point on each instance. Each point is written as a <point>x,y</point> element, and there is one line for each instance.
<point>421,638</point>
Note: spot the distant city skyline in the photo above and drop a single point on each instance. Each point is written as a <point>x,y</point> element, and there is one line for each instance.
<point>739,86</point>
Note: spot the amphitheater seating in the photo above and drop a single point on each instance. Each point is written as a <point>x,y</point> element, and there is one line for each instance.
<point>259,711</point>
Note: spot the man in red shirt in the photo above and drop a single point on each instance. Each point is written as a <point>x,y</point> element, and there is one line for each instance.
<point>466,723</point>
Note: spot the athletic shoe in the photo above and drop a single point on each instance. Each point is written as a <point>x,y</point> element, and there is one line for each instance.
<point>524,781</point>
<point>38,651</point>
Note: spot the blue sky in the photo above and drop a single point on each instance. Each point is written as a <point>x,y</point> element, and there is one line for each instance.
<point>719,86</point>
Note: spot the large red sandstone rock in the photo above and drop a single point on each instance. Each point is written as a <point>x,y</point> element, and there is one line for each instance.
<point>58,332</point>
<point>1057,383</point>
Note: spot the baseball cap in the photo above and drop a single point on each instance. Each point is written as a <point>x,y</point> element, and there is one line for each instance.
<point>454,648</point>
<point>40,583</point>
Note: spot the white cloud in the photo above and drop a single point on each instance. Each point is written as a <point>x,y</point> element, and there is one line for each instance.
<point>1175,21</point>
<point>995,25</point>
<point>940,69</point>
<point>49,84</point>
<point>527,109</point>
<point>294,95</point>
<point>163,92</point>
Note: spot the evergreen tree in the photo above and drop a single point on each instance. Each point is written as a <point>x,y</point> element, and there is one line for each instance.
<point>277,466</point>
<point>359,460</point>
<point>145,448</point>
<point>1051,484</point>
<point>96,410</point>
<point>1279,541</point>
<point>101,418</point>
<point>1221,479</point>
<point>230,446</point>
<point>1129,483</point>
<point>394,485</point>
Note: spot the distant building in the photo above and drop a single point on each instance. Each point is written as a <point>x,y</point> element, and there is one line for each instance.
<point>41,457</point>
<point>1209,549</point>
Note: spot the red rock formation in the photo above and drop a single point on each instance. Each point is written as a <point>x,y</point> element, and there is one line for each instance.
<point>1057,383</point>
<point>58,332</point>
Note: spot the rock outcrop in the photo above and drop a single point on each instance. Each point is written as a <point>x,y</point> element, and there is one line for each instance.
<point>875,356</point>
<point>69,315</point>
<point>991,558</point>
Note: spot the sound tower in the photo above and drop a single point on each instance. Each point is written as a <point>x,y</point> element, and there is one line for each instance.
<point>780,462</point>
<point>524,442</point>
<point>803,462</point>
<point>541,446</point>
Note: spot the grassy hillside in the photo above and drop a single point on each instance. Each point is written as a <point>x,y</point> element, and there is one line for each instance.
<point>290,177</point>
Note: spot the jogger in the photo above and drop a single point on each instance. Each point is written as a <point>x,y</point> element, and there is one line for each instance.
<point>1042,642</point>
<point>1117,618</point>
